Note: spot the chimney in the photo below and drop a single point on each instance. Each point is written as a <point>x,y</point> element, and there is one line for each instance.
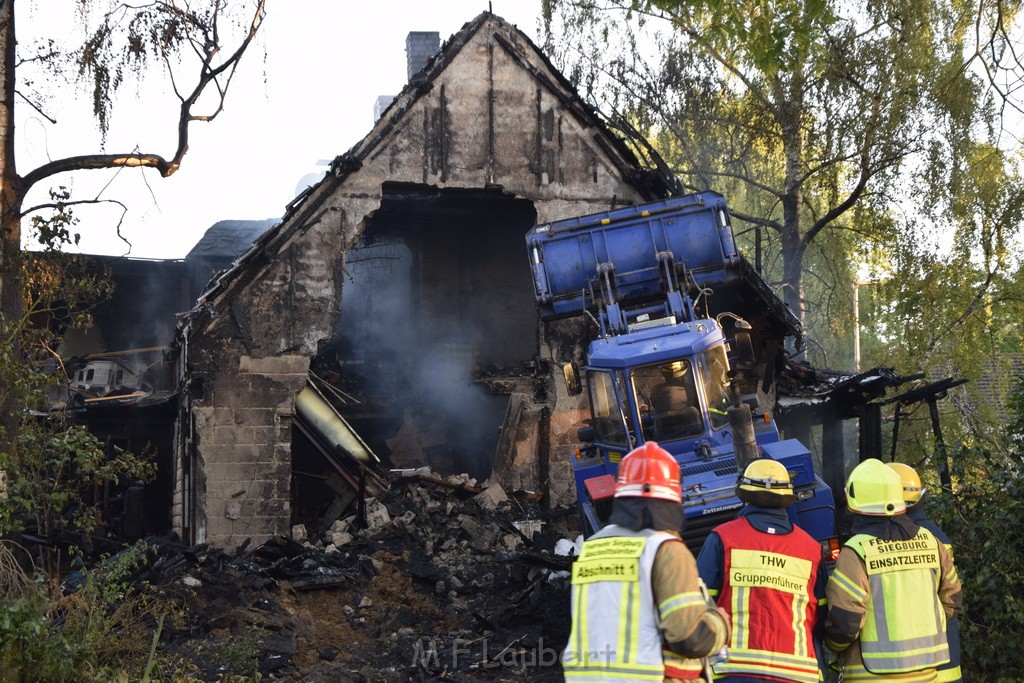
<point>420,46</point>
<point>382,103</point>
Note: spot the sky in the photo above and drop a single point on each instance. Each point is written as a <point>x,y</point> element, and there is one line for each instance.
<point>310,99</point>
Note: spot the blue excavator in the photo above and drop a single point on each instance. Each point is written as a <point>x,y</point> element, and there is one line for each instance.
<point>683,345</point>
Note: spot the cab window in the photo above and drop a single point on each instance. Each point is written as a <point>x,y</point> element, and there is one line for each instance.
<point>666,394</point>
<point>714,375</point>
<point>608,420</point>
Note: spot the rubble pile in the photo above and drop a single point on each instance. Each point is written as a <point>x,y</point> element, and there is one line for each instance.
<point>434,579</point>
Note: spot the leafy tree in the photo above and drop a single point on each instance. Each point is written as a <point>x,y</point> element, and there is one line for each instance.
<point>955,309</point>
<point>210,38</point>
<point>822,121</point>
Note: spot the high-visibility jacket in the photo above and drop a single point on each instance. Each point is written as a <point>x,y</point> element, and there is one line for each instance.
<point>901,586</point>
<point>615,630</point>
<point>768,591</point>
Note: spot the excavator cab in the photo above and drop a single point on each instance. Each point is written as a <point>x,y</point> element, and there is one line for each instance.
<point>657,281</point>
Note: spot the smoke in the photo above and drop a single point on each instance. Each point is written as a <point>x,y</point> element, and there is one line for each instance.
<point>141,310</point>
<point>416,352</point>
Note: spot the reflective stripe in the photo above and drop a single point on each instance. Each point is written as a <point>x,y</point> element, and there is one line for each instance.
<point>677,666</point>
<point>772,665</point>
<point>800,645</point>
<point>584,620</point>
<point>738,612</point>
<point>626,629</point>
<point>844,582</point>
<point>620,672</point>
<point>678,602</point>
<point>855,673</point>
<point>951,675</point>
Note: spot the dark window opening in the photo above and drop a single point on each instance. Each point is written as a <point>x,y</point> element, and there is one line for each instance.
<point>436,308</point>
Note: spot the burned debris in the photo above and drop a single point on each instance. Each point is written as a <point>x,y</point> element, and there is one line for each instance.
<point>437,579</point>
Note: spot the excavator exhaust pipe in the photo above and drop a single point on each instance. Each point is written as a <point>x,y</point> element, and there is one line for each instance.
<point>741,420</point>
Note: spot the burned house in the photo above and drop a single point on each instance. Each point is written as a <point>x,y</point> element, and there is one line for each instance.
<point>390,315</point>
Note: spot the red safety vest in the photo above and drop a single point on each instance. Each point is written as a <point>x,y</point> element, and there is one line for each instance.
<point>768,591</point>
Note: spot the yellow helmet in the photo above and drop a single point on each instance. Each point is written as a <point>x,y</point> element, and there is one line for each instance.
<point>912,489</point>
<point>765,482</point>
<point>875,489</point>
<point>674,370</point>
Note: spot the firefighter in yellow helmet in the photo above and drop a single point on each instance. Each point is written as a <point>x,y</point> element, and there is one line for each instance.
<point>638,613</point>
<point>913,495</point>
<point>893,588</point>
<point>767,574</point>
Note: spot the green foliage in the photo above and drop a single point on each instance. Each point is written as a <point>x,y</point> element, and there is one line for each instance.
<point>985,522</point>
<point>52,467</point>
<point>99,632</point>
<point>984,518</point>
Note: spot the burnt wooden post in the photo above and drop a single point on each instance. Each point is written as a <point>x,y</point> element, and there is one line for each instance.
<point>940,446</point>
<point>544,454</point>
<point>870,436</point>
<point>895,431</point>
<point>833,458</point>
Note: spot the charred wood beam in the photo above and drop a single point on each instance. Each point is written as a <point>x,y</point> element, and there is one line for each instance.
<point>833,459</point>
<point>940,445</point>
<point>870,436</point>
<point>544,453</point>
<point>932,391</point>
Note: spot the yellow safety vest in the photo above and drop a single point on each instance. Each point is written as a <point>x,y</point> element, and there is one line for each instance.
<point>905,626</point>
<point>615,633</point>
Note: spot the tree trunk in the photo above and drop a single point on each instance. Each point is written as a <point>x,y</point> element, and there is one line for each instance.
<point>793,247</point>
<point>11,305</point>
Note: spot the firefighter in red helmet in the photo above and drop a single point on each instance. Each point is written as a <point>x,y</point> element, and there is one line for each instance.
<point>638,611</point>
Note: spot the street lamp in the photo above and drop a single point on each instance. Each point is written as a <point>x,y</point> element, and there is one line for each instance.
<point>856,320</point>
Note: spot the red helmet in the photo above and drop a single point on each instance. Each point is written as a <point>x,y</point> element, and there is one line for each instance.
<point>649,472</point>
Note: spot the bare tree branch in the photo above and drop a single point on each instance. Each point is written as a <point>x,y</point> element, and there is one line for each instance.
<point>743,178</point>
<point>72,202</point>
<point>208,73</point>
<point>756,220</point>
